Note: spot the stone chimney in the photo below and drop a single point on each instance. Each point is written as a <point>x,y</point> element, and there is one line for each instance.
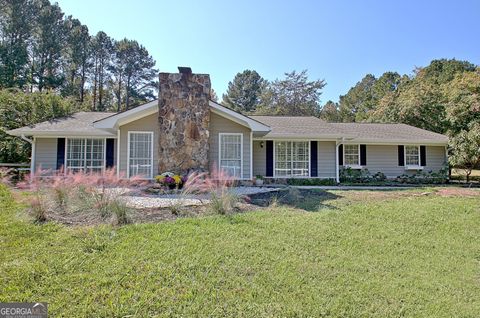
<point>184,117</point>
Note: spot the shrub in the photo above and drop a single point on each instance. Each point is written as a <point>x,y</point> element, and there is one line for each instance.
<point>354,175</point>
<point>217,184</point>
<point>311,182</point>
<point>78,192</point>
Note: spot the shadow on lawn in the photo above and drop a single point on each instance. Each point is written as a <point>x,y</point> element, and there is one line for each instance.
<point>311,200</point>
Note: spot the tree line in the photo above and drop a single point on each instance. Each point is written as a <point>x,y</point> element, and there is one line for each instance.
<point>42,49</point>
<point>51,66</point>
<point>443,97</point>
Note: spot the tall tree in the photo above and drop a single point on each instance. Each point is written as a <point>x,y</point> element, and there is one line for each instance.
<point>294,95</point>
<point>16,24</point>
<point>359,101</point>
<point>78,60</point>
<point>103,50</point>
<point>135,74</point>
<point>244,92</point>
<point>49,44</point>
<point>465,149</point>
<point>330,112</point>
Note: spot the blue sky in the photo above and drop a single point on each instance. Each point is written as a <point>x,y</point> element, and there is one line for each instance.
<point>339,41</point>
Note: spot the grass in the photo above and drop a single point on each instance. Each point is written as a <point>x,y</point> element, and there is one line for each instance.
<point>389,256</point>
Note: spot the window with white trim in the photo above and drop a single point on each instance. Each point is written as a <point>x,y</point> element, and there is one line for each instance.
<point>292,158</point>
<point>412,155</point>
<point>84,154</point>
<point>230,159</point>
<point>351,155</point>
<point>140,154</point>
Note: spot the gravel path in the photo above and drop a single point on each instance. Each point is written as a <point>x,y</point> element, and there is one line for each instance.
<point>135,200</point>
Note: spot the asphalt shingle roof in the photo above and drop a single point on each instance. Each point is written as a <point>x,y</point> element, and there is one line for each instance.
<point>297,126</point>
<point>389,132</point>
<point>79,123</point>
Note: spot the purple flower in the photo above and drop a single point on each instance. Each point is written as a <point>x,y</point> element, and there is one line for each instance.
<point>184,179</point>
<point>169,180</point>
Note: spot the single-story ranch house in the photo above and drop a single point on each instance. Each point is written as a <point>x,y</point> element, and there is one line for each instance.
<point>184,130</point>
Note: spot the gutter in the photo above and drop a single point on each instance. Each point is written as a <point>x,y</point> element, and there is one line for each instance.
<point>30,141</point>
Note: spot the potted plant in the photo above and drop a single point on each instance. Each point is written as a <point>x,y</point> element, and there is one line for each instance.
<point>259,180</point>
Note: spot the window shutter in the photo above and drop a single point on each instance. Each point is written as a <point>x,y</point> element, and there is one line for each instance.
<point>109,153</point>
<point>423,156</point>
<point>340,155</point>
<point>314,158</point>
<point>363,155</point>
<point>401,155</point>
<point>269,161</point>
<point>60,153</point>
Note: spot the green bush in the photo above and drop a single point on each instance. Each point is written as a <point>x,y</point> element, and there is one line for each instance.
<point>311,182</point>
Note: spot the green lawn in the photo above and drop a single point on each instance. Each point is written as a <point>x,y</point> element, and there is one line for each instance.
<point>412,256</point>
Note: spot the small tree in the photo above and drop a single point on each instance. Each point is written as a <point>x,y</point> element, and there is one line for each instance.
<point>465,149</point>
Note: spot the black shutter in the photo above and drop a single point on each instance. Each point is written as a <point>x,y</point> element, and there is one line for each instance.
<point>423,156</point>
<point>109,153</point>
<point>363,155</point>
<point>313,159</point>
<point>60,153</point>
<point>269,161</point>
<point>340,155</point>
<point>401,158</point>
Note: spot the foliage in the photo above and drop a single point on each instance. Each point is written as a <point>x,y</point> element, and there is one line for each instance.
<point>217,184</point>
<point>42,49</point>
<point>18,109</point>
<point>364,258</point>
<point>311,182</point>
<point>425,177</point>
<point>465,149</point>
<point>330,112</point>
<point>294,95</point>
<point>244,91</point>
<point>363,176</point>
<point>78,193</point>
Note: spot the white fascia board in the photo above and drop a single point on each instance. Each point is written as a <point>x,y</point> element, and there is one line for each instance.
<point>301,137</point>
<point>112,122</point>
<point>238,118</point>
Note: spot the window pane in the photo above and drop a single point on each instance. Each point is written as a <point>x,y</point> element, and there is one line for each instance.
<point>351,155</point>
<point>231,154</point>
<point>412,156</point>
<point>141,161</point>
<point>292,158</point>
<point>85,154</point>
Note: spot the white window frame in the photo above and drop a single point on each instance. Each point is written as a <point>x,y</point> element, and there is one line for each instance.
<point>130,132</point>
<point>352,166</point>
<point>67,140</point>
<point>220,135</point>
<point>292,176</point>
<point>412,167</point>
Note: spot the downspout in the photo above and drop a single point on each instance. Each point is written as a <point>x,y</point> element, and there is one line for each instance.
<point>32,157</point>
<point>118,152</point>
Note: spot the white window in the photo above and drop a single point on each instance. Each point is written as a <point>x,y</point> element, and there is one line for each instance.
<point>85,154</point>
<point>351,155</point>
<point>140,154</point>
<point>292,159</point>
<point>231,153</point>
<point>412,155</point>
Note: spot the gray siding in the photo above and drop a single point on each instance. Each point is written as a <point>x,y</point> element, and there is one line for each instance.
<point>45,156</point>
<point>46,153</point>
<point>148,123</point>
<point>384,158</point>
<point>326,159</point>
<point>219,124</point>
<point>259,159</point>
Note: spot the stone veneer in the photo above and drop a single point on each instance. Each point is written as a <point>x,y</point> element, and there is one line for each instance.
<point>184,116</point>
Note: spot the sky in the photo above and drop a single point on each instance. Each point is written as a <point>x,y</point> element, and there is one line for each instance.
<point>338,41</point>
